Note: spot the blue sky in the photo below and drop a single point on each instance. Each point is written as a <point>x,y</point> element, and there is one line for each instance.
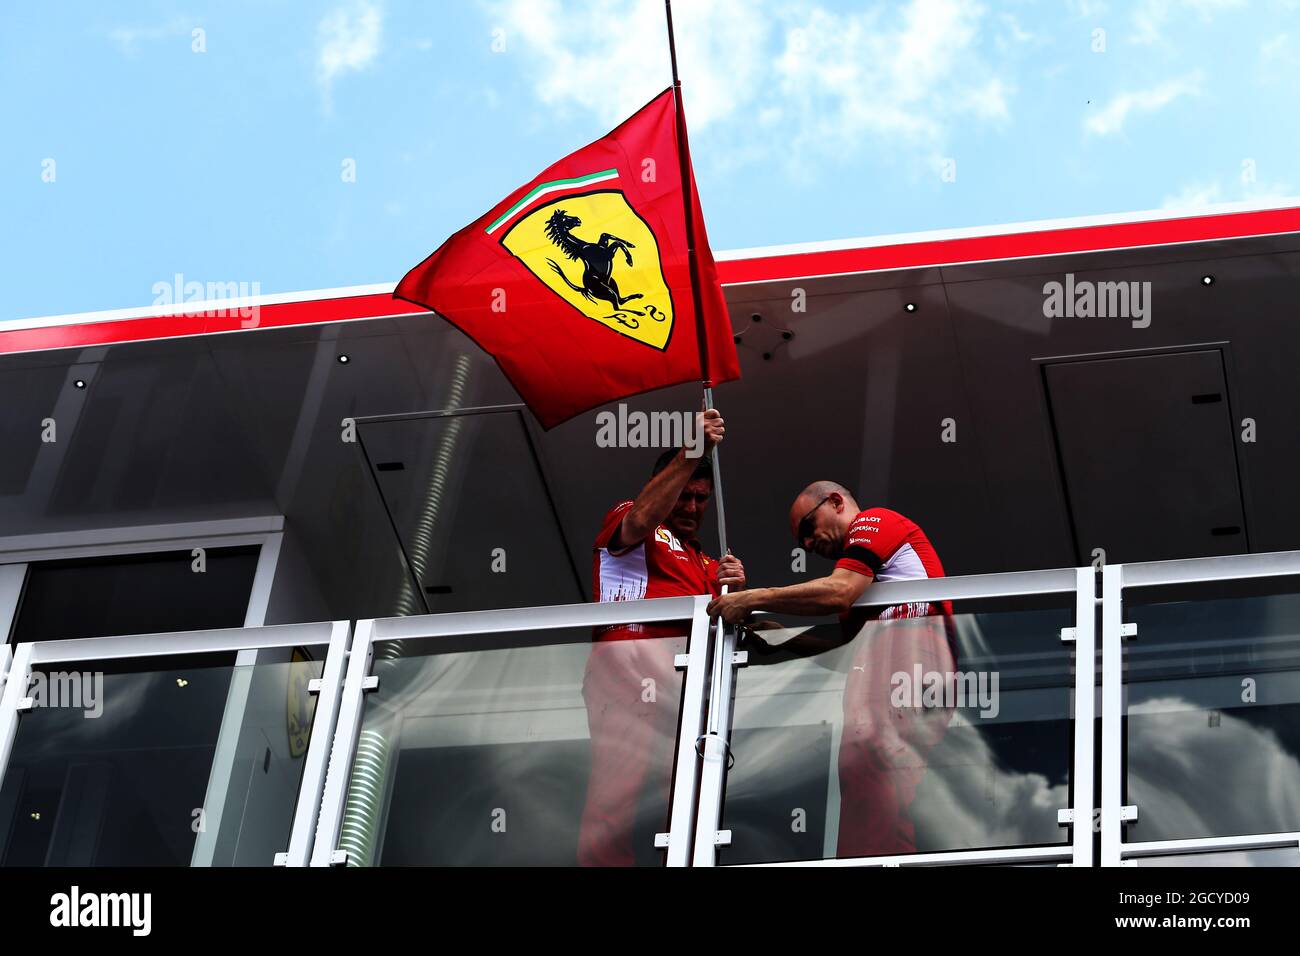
<point>220,154</point>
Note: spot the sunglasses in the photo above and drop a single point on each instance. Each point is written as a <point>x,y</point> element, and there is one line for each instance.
<point>805,529</point>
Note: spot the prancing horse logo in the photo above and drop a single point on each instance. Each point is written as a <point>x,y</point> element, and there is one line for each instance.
<point>621,284</point>
<point>597,260</point>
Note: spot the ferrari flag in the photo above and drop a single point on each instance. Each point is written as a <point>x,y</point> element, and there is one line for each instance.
<point>578,283</point>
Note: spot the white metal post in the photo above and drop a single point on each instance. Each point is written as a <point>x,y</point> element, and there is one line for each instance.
<point>323,723</point>
<point>344,746</point>
<point>1112,712</point>
<point>1085,683</point>
<point>716,751</point>
<point>692,722</point>
<point>259,598</point>
<point>15,688</point>
<point>12,577</point>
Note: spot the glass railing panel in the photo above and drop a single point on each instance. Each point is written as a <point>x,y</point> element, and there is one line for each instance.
<point>1273,856</point>
<point>903,734</point>
<point>1212,711</point>
<point>187,759</point>
<point>550,747</point>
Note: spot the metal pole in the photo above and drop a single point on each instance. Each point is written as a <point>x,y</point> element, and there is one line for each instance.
<point>688,208</point>
<point>702,343</point>
<point>717,484</point>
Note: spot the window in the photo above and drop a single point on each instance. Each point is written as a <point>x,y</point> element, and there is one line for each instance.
<point>135,594</point>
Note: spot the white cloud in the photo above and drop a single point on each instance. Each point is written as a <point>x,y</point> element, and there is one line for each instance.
<point>900,75</point>
<point>1278,53</point>
<point>1169,753</point>
<point>610,57</point>
<point>1110,118</point>
<point>988,101</point>
<point>1194,196</point>
<point>811,78</point>
<point>1013,32</point>
<point>1201,193</point>
<point>347,41</point>
<point>1087,8</point>
<point>1274,48</point>
<point>1151,16</point>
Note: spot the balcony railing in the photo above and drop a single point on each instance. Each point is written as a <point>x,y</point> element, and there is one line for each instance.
<point>1201,700</point>
<point>200,748</point>
<point>639,733</point>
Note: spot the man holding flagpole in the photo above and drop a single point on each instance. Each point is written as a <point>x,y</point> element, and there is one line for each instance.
<point>595,282</point>
<point>646,548</point>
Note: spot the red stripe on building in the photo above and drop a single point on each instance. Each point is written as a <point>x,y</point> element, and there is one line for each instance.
<point>909,255</point>
<point>1015,246</point>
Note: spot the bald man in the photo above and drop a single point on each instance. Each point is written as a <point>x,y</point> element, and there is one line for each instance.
<point>884,747</point>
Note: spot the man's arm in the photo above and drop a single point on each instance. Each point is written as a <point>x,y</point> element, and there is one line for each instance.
<point>833,594</point>
<point>810,643</point>
<point>660,494</point>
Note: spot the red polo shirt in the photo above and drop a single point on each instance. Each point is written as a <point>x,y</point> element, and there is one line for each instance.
<point>663,565</point>
<point>886,546</point>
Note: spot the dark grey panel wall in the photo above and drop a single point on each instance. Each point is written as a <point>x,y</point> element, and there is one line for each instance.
<point>251,423</point>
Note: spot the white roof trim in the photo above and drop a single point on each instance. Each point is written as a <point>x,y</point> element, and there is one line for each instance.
<point>759,252</point>
<point>195,308</point>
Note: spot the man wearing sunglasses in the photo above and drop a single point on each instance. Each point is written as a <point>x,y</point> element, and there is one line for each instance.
<point>884,747</point>
<point>646,548</point>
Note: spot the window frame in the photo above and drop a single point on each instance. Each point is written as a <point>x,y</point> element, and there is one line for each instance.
<point>19,551</point>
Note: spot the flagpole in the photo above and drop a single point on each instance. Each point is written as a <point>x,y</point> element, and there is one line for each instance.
<point>726,639</point>
<point>688,207</point>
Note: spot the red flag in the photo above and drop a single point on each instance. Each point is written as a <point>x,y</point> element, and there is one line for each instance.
<point>578,283</point>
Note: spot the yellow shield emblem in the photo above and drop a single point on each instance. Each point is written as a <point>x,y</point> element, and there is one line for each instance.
<point>598,255</point>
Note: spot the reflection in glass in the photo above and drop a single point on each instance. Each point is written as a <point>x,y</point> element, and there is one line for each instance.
<point>901,734</point>
<point>1213,716</point>
<point>475,753</point>
<point>165,761</point>
<point>1275,856</point>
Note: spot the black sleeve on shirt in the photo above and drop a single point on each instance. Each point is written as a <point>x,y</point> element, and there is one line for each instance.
<point>859,553</point>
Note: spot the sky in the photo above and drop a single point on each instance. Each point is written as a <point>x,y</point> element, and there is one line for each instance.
<point>285,146</point>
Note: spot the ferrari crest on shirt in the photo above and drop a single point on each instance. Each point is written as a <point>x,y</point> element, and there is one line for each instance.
<point>668,538</point>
